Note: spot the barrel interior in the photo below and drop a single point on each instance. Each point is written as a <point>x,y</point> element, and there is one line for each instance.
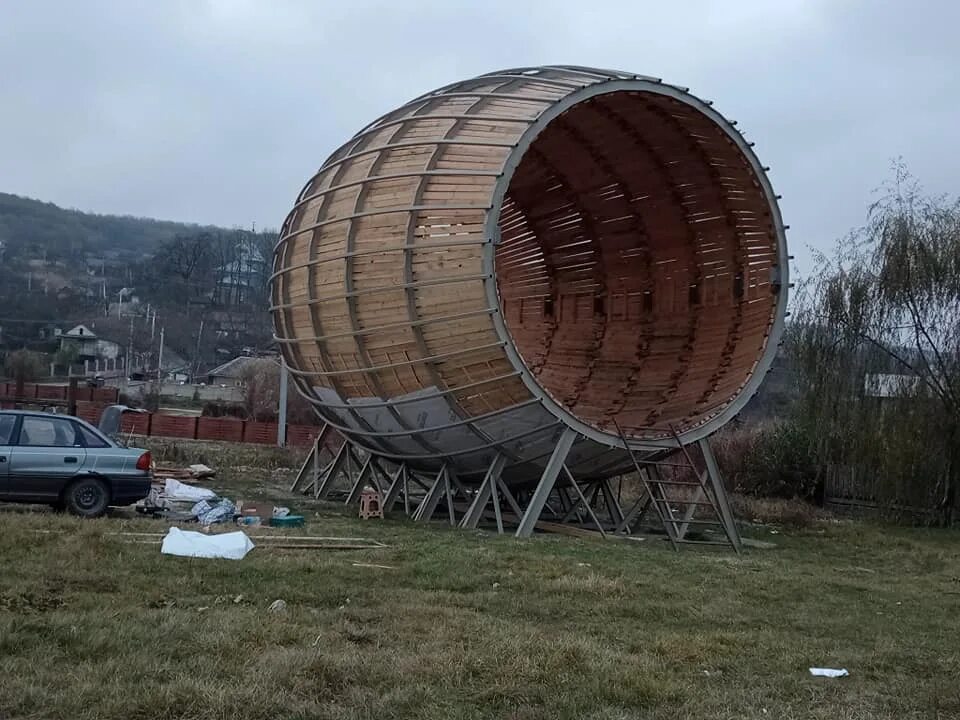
<point>636,262</point>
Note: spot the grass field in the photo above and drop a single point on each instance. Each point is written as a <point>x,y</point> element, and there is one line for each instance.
<point>468,625</point>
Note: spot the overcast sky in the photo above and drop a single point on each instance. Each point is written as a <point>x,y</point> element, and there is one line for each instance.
<point>217,111</point>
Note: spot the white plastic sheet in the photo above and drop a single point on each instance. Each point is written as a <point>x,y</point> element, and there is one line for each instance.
<point>829,672</point>
<point>176,490</point>
<point>186,543</point>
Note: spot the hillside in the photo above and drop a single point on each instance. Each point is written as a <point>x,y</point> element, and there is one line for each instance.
<point>46,230</point>
<point>61,267</point>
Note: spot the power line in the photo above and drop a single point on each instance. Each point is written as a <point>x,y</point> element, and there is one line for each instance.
<point>22,320</point>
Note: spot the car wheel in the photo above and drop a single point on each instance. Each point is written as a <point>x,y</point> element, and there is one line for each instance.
<point>87,497</point>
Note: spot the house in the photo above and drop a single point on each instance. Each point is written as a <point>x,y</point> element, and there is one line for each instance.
<point>173,367</point>
<point>241,281</point>
<point>90,349</point>
<point>890,385</point>
<point>49,331</point>
<point>232,372</point>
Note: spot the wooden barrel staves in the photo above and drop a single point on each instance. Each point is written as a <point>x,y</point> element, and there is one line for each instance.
<point>531,250</point>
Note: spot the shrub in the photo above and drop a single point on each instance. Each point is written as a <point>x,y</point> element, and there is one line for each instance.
<point>780,463</point>
<point>23,365</point>
<point>773,460</point>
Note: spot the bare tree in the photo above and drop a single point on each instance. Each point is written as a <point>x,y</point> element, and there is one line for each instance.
<point>261,380</point>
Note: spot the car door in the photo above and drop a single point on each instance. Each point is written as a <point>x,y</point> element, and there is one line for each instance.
<point>46,456</point>
<point>8,424</point>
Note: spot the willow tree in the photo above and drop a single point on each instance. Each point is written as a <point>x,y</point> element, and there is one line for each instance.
<point>877,341</point>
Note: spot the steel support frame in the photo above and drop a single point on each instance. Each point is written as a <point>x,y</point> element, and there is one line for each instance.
<point>574,498</point>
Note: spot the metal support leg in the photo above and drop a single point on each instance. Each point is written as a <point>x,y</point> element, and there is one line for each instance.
<point>447,489</point>
<point>333,469</point>
<point>482,496</point>
<point>547,481</point>
<point>432,498</point>
<point>348,461</point>
<point>406,490</point>
<point>379,474</point>
<point>720,493</point>
<point>358,486</point>
<point>455,481</point>
<point>565,501</point>
<point>583,499</point>
<point>317,447</point>
<point>595,495</point>
<point>498,514</point>
<point>508,496</point>
<point>311,463</point>
<point>638,508</point>
<point>393,490</point>
<point>613,507</point>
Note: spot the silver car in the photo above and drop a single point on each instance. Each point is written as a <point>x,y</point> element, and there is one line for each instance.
<point>65,462</point>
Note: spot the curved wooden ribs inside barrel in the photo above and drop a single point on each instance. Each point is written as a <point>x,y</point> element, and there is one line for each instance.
<point>635,263</point>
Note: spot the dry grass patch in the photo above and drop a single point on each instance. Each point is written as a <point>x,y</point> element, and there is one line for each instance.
<point>472,626</point>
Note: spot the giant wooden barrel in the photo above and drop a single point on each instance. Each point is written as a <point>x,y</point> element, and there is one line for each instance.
<point>531,250</point>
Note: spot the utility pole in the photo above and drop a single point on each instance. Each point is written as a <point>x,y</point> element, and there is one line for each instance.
<point>282,413</point>
<point>153,324</point>
<point>119,303</point>
<point>196,355</point>
<point>160,358</point>
<point>130,348</point>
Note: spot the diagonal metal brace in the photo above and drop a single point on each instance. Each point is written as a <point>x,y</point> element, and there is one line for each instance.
<point>547,480</point>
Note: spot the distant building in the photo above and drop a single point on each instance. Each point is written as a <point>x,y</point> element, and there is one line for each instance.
<point>232,372</point>
<point>887,385</point>
<point>174,368</point>
<point>49,331</point>
<point>240,281</point>
<point>89,347</point>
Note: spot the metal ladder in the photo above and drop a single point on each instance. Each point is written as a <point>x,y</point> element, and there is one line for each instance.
<point>708,492</point>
